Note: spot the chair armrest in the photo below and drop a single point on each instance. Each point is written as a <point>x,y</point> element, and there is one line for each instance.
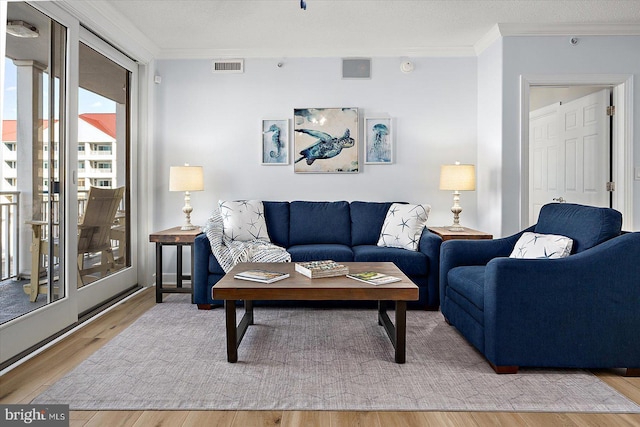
<point>577,305</point>
<point>457,253</point>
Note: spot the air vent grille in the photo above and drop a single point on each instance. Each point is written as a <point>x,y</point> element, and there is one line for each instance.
<point>228,66</point>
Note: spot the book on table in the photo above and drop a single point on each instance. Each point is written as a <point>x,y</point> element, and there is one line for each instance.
<point>374,278</point>
<point>262,276</point>
<point>318,269</point>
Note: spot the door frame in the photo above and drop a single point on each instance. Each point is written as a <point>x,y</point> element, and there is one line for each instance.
<point>622,135</point>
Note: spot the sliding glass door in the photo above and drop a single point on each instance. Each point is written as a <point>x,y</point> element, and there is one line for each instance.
<point>104,249</point>
<point>32,154</point>
<point>67,194</point>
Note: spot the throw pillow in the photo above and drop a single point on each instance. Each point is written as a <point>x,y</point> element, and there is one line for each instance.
<point>243,220</point>
<point>403,225</point>
<point>542,246</point>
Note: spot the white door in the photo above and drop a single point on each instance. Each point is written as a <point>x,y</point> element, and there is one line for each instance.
<point>569,153</point>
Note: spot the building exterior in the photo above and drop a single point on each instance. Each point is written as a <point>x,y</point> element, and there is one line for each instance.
<point>96,152</point>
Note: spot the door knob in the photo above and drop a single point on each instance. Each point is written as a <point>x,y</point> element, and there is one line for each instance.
<point>559,199</point>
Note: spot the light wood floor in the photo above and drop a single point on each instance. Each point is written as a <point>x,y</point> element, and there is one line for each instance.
<point>25,382</point>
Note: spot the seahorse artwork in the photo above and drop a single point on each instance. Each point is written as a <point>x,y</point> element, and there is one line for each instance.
<point>326,146</point>
<point>380,150</point>
<point>275,138</point>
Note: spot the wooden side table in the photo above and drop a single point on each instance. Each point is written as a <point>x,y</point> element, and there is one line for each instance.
<point>179,238</point>
<point>466,234</point>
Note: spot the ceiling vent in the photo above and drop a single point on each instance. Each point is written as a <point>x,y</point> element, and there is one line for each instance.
<point>356,68</point>
<point>228,66</point>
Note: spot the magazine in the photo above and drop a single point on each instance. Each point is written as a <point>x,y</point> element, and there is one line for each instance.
<point>374,278</point>
<point>262,276</point>
<point>317,269</point>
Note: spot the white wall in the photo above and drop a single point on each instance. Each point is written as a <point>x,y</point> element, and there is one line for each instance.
<point>490,139</point>
<point>215,120</point>
<point>550,55</point>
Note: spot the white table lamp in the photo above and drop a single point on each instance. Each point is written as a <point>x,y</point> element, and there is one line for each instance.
<point>186,178</point>
<point>457,178</point>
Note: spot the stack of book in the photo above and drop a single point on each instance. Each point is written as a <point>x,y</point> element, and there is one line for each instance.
<point>262,276</point>
<point>317,269</point>
<point>374,278</point>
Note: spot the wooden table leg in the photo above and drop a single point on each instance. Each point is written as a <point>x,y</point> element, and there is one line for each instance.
<point>179,266</point>
<point>232,331</point>
<point>158,272</point>
<point>401,331</point>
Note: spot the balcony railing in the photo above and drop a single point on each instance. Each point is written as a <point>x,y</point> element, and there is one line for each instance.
<point>9,235</point>
<point>10,223</point>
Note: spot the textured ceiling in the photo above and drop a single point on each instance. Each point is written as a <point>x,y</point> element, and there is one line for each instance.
<point>275,28</point>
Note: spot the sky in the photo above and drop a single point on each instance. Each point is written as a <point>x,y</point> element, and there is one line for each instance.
<point>89,102</point>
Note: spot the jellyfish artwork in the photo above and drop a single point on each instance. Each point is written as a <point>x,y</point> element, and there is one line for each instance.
<point>275,139</point>
<point>380,150</point>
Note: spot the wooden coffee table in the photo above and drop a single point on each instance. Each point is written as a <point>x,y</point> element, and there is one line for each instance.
<point>300,287</point>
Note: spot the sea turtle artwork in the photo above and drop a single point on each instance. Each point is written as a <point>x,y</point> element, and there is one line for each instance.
<point>326,146</point>
<point>275,139</point>
<point>325,140</point>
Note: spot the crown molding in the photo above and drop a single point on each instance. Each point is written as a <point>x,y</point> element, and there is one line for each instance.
<point>569,30</point>
<point>305,53</point>
<point>108,24</point>
<point>539,30</point>
<point>487,40</point>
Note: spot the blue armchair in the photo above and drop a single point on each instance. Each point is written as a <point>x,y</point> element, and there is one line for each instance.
<point>582,311</point>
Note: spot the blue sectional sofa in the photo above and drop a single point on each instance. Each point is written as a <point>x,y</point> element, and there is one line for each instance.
<point>340,231</point>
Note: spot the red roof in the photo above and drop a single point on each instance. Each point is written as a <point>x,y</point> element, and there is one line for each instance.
<point>106,122</point>
<point>9,130</point>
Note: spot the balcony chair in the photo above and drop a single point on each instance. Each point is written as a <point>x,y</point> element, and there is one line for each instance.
<point>580,311</point>
<point>94,235</point>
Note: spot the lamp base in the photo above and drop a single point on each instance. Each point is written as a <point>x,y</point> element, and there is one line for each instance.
<point>456,228</point>
<point>188,227</point>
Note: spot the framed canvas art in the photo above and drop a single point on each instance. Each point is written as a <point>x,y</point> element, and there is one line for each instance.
<point>275,142</point>
<point>378,141</point>
<point>325,140</point>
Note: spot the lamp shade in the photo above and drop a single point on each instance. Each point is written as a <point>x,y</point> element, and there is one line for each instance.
<point>186,178</point>
<point>458,177</point>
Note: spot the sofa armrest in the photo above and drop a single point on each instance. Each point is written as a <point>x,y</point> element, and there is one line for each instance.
<point>430,246</point>
<point>583,307</point>
<point>201,253</point>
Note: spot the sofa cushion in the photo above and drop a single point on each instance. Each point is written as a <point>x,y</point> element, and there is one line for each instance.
<point>366,222</point>
<point>276,214</point>
<point>411,263</point>
<point>320,252</point>
<point>588,226</point>
<point>466,288</point>
<point>403,226</point>
<point>319,222</point>
<point>541,246</point>
<point>243,220</point>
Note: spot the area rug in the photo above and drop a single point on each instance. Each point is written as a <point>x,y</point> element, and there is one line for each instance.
<point>174,357</point>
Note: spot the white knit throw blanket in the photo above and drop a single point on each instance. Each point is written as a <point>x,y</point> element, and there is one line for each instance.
<point>230,252</point>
